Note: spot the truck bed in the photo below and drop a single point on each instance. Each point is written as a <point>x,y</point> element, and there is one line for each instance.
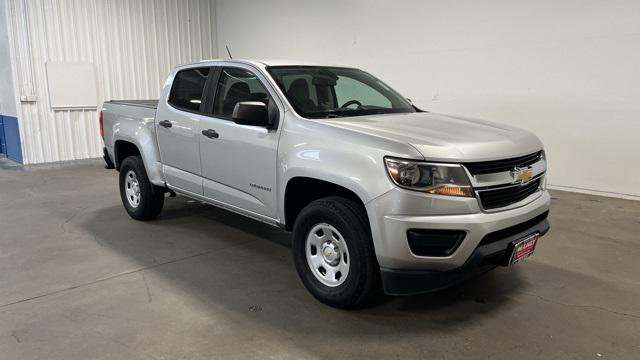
<point>153,104</point>
<point>134,119</point>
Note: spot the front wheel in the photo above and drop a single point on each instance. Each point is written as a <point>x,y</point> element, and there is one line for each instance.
<point>141,199</point>
<point>334,254</point>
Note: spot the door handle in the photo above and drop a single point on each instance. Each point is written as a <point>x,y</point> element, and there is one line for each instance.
<point>210,133</point>
<point>165,123</point>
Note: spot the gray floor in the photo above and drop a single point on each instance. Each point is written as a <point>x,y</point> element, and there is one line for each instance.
<point>80,280</point>
<point>8,164</point>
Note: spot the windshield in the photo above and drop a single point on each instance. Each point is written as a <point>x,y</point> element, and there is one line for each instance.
<point>326,92</point>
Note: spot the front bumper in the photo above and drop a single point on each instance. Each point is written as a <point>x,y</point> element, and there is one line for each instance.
<point>484,258</point>
<point>392,215</point>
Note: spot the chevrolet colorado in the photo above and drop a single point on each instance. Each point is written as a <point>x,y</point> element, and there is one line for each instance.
<point>379,195</point>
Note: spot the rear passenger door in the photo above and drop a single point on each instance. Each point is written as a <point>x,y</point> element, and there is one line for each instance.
<point>239,164</point>
<point>178,129</point>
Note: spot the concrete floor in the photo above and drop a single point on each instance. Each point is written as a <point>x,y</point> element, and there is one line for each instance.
<point>79,279</point>
<point>8,164</point>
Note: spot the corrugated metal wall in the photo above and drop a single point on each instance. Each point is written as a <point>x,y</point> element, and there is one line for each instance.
<point>133,44</point>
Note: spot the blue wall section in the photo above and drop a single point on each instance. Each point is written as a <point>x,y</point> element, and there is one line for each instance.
<point>12,148</point>
<point>2,143</point>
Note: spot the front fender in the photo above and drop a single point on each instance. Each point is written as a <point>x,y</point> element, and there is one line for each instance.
<point>346,158</point>
<point>357,179</point>
<point>359,169</point>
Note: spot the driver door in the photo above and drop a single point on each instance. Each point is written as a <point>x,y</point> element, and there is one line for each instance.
<point>239,161</point>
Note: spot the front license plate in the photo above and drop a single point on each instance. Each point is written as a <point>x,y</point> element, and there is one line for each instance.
<point>524,248</point>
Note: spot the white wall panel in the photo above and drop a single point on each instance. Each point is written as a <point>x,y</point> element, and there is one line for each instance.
<point>133,44</point>
<point>566,70</point>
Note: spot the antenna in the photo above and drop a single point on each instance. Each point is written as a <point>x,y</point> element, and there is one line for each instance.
<point>228,52</point>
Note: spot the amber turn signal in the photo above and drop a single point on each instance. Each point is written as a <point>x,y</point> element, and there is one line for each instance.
<point>453,191</point>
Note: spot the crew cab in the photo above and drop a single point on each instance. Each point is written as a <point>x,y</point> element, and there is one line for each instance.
<point>380,196</point>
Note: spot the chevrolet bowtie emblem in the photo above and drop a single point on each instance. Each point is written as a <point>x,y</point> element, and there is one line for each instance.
<point>521,175</point>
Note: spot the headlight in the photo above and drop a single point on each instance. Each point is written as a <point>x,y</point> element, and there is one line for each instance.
<point>442,179</point>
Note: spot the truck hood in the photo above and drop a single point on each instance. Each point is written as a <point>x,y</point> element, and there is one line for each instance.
<point>444,137</point>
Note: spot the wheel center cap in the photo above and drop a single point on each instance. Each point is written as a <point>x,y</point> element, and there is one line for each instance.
<point>330,253</point>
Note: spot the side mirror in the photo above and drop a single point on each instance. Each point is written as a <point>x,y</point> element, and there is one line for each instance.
<point>252,113</point>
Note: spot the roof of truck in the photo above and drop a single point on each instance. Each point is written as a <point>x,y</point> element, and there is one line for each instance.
<point>275,62</point>
<point>284,62</point>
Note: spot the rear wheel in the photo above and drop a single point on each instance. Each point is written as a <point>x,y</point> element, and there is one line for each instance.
<point>334,254</point>
<point>141,199</point>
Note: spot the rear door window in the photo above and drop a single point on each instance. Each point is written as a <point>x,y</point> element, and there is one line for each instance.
<point>188,89</point>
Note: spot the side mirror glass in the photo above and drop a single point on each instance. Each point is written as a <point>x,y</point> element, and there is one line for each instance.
<point>252,113</point>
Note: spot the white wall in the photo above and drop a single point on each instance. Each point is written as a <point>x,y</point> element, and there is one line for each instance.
<point>7,96</point>
<point>133,45</point>
<point>567,70</point>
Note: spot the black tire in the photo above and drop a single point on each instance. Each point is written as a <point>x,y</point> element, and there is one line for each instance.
<point>362,285</point>
<point>151,196</point>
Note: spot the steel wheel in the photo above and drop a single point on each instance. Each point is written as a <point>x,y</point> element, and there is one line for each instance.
<point>141,199</point>
<point>327,254</point>
<point>132,189</point>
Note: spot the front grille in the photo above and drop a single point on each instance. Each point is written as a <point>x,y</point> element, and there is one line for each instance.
<point>501,197</point>
<point>494,166</point>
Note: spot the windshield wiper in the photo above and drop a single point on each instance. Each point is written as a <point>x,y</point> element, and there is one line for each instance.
<point>332,116</point>
<point>341,113</point>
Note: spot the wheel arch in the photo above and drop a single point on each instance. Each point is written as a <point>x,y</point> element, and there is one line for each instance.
<point>125,146</point>
<point>297,195</point>
<point>123,149</point>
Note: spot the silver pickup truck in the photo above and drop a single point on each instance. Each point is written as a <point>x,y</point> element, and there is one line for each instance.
<point>380,195</point>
